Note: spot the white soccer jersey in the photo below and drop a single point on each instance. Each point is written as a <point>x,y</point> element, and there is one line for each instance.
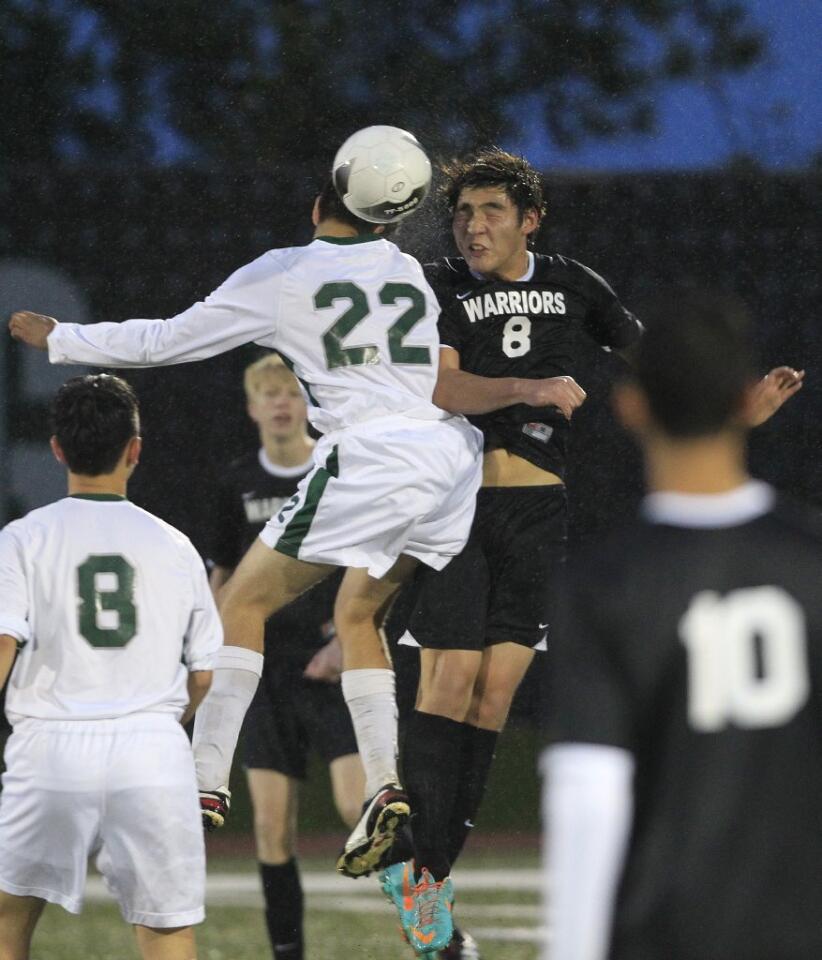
<point>354,317</point>
<point>112,606</point>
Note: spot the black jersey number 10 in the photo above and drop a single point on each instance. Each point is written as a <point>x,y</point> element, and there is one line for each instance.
<point>337,355</point>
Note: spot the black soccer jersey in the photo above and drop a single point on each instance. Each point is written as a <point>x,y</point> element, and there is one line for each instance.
<point>527,329</point>
<point>699,650</point>
<point>249,493</point>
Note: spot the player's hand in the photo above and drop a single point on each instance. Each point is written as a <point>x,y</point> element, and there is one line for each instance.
<point>214,806</point>
<point>771,392</point>
<point>31,328</point>
<point>326,664</point>
<point>562,392</point>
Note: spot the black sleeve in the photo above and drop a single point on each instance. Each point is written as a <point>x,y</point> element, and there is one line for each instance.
<point>225,544</point>
<point>450,330</point>
<point>607,321</point>
<point>589,697</point>
<point>449,326</point>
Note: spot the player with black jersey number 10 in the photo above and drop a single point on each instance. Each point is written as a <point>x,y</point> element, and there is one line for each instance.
<point>684,777</point>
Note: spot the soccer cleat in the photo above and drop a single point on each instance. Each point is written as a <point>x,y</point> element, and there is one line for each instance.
<point>214,806</point>
<point>462,947</point>
<point>432,927</point>
<point>373,836</point>
<point>397,882</point>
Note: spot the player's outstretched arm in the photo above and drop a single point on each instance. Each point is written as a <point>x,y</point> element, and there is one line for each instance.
<point>771,392</point>
<point>458,391</point>
<point>243,309</point>
<point>31,328</point>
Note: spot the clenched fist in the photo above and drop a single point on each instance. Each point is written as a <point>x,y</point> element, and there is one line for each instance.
<point>562,392</point>
<point>31,328</point>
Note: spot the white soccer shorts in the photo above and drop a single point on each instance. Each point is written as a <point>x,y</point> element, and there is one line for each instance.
<point>123,789</point>
<point>382,488</point>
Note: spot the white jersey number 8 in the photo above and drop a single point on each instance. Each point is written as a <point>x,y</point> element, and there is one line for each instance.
<point>747,658</point>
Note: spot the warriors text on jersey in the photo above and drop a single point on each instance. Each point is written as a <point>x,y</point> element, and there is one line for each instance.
<point>352,316</point>
<point>251,491</point>
<point>111,606</point>
<point>694,642</point>
<point>527,328</point>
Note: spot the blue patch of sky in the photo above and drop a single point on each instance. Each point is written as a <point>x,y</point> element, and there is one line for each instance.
<point>771,113</point>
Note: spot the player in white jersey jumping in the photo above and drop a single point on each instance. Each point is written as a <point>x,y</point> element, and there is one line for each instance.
<point>394,481</point>
<point>116,629</point>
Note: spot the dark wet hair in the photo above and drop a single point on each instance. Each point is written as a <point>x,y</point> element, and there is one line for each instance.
<point>695,359</point>
<point>332,208</point>
<point>93,418</point>
<point>493,167</point>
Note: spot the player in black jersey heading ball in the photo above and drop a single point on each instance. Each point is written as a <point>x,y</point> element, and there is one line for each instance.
<point>509,326</point>
<point>684,784</point>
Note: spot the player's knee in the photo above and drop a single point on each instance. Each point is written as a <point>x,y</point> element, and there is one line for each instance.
<point>490,711</point>
<point>353,613</point>
<point>349,809</point>
<point>273,839</point>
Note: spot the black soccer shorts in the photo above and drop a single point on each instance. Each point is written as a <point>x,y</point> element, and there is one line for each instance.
<point>497,589</point>
<point>289,716</point>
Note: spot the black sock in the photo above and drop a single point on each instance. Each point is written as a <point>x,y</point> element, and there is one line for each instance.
<point>283,909</point>
<point>431,767</point>
<point>402,849</point>
<point>475,766</point>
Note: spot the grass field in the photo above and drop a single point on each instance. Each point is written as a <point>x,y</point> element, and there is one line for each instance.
<point>497,899</point>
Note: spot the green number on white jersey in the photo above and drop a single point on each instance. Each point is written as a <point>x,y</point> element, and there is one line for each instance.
<point>337,355</point>
<point>106,615</point>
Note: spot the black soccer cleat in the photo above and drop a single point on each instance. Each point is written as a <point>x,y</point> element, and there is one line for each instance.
<point>214,806</point>
<point>370,843</point>
<point>462,947</point>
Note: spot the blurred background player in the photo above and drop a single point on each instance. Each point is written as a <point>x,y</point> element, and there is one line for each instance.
<point>117,631</point>
<point>684,781</point>
<point>299,704</point>
<point>393,484</point>
<point>509,328</point>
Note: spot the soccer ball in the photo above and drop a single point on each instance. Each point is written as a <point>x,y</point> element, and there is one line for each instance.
<point>382,174</point>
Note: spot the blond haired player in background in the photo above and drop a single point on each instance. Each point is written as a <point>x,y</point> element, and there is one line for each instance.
<point>299,706</point>
<point>117,631</point>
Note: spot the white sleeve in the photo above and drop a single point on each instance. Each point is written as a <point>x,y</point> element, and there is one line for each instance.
<point>587,808</point>
<point>243,309</point>
<point>204,636</point>
<point>14,595</point>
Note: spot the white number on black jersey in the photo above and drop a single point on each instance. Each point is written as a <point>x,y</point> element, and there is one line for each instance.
<point>516,337</point>
<point>747,658</point>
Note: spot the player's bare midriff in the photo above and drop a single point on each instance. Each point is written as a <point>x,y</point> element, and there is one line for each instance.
<point>503,469</point>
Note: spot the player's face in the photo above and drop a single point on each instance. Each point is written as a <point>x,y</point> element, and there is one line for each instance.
<point>490,234</point>
<point>277,406</point>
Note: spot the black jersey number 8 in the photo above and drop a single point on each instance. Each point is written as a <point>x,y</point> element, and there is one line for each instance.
<point>337,355</point>
<point>100,595</point>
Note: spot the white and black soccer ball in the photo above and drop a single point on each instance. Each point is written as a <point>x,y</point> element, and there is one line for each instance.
<point>381,174</point>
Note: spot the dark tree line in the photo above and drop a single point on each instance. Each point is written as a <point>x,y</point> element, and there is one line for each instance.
<point>245,83</point>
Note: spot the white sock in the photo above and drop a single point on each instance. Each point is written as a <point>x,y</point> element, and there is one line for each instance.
<point>373,708</point>
<point>220,716</point>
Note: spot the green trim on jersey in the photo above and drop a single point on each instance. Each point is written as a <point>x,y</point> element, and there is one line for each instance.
<point>290,364</point>
<point>96,496</point>
<point>360,238</point>
<point>298,526</point>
